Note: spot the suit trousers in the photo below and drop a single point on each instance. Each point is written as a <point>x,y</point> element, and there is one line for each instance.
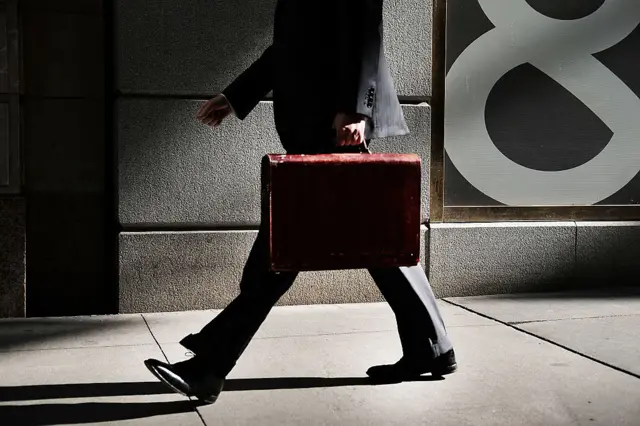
<point>220,343</point>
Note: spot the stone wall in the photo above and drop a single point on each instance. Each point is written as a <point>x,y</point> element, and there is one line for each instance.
<point>65,157</point>
<point>188,195</point>
<point>12,202</point>
<point>12,257</point>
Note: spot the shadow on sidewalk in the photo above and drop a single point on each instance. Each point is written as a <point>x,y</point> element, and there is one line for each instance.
<point>608,293</point>
<point>88,412</point>
<point>93,390</point>
<point>20,333</point>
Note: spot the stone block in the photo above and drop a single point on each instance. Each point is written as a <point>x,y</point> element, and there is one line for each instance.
<point>12,257</point>
<point>418,118</point>
<point>490,258</point>
<point>65,6</point>
<point>408,31</point>
<point>173,170</point>
<point>10,170</point>
<point>63,55</point>
<point>67,256</point>
<point>9,48</point>
<point>607,253</point>
<point>198,47</point>
<point>187,47</point>
<point>65,145</point>
<point>177,271</point>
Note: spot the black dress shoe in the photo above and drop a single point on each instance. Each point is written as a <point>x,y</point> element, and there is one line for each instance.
<point>188,378</point>
<point>406,369</point>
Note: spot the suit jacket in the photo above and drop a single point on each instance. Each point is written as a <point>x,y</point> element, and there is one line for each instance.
<point>327,57</point>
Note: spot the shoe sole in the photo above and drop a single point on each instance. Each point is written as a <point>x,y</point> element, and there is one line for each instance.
<point>209,399</point>
<point>448,370</point>
<point>413,376</point>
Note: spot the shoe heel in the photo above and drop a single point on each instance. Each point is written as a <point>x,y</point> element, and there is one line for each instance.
<point>443,371</point>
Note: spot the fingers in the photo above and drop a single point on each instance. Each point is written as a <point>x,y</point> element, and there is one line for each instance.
<point>215,118</point>
<point>210,121</point>
<point>203,111</point>
<point>217,103</point>
<point>358,137</point>
<point>352,135</point>
<point>207,109</point>
<point>212,114</point>
<point>344,137</point>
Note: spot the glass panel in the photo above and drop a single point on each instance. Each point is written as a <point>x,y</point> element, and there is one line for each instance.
<point>542,108</point>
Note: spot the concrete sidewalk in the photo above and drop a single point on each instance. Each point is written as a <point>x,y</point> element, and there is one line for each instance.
<point>537,359</point>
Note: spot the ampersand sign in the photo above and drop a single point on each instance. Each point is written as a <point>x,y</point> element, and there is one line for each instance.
<point>563,50</point>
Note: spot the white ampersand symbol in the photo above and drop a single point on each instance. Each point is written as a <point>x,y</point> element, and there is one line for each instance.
<point>563,50</point>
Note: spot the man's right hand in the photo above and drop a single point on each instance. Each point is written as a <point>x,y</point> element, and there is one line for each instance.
<point>213,111</point>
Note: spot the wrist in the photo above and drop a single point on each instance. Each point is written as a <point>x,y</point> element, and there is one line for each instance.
<point>228,103</point>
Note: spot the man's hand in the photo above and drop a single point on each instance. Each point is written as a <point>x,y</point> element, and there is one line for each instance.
<point>349,129</point>
<point>213,111</point>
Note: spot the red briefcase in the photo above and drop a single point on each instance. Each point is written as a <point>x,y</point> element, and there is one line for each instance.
<point>341,211</point>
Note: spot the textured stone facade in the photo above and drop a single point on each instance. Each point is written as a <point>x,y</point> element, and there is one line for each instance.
<point>12,257</point>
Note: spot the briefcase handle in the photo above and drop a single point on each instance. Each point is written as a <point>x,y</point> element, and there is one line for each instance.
<point>364,149</point>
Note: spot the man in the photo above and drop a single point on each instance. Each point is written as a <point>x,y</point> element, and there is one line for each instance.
<point>332,92</point>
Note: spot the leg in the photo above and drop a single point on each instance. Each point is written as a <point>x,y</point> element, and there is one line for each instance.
<point>221,342</point>
<point>422,332</point>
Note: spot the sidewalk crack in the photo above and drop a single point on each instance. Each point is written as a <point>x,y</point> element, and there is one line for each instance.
<point>195,409</point>
<point>511,325</point>
<point>568,319</point>
<point>154,338</point>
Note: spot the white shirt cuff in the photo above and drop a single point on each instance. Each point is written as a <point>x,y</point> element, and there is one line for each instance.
<point>232,110</point>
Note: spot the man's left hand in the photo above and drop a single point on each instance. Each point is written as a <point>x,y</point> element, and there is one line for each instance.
<point>349,129</point>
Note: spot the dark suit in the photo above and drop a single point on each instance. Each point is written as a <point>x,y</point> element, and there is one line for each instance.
<point>323,61</point>
<point>327,57</point>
